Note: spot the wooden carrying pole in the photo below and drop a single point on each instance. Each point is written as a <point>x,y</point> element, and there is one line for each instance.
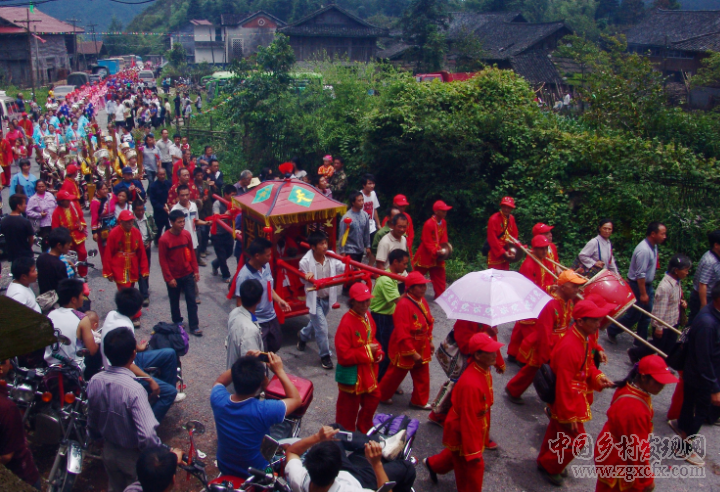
<point>631,333</point>
<point>651,315</point>
<point>527,252</point>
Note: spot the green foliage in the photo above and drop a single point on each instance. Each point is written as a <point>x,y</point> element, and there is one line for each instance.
<point>468,52</point>
<point>709,73</point>
<point>630,12</point>
<point>177,57</point>
<point>423,23</point>
<point>579,15</point>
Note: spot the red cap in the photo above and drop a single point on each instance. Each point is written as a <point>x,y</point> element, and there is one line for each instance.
<point>508,200</point>
<point>64,195</point>
<point>541,228</point>
<point>655,366</point>
<point>71,169</point>
<point>125,215</point>
<point>401,201</point>
<point>415,278</point>
<point>441,205</point>
<point>588,309</point>
<point>360,292</point>
<point>540,242</point>
<point>24,114</point>
<point>483,341</point>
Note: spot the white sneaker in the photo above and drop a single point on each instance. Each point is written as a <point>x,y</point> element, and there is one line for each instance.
<point>394,445</point>
<point>180,397</point>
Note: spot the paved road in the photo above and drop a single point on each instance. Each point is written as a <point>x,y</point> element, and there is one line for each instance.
<point>517,429</point>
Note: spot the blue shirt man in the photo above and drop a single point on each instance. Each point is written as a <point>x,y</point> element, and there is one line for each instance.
<point>641,274</point>
<point>259,253</point>
<point>242,420</point>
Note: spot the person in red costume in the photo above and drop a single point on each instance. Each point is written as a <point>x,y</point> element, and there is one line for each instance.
<point>501,227</point>
<point>358,353</point>
<point>531,269</point>
<point>125,257</point>
<point>629,424</point>
<point>434,234</point>
<point>68,214</point>
<point>550,326</point>
<point>467,427</point>
<point>411,346</point>
<point>402,203</point>
<point>541,229</point>
<point>575,373</point>
<point>69,183</point>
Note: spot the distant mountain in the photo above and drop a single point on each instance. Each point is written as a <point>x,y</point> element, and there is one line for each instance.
<point>699,4</point>
<point>99,12</point>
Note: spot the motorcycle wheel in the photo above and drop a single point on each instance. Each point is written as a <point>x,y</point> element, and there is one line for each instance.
<point>68,482</point>
<point>65,480</point>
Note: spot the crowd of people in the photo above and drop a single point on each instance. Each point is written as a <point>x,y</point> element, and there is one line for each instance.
<point>386,334</point>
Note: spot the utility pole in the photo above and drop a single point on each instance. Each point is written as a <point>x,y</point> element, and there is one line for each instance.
<point>28,22</point>
<point>75,50</point>
<point>94,39</point>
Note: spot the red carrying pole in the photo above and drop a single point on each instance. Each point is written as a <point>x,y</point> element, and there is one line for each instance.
<point>359,265</point>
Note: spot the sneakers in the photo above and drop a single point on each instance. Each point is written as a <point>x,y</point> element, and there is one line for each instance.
<point>214,271</point>
<point>136,323</point>
<point>301,345</point>
<point>491,445</point>
<point>431,472</point>
<point>146,302</point>
<point>394,445</point>
<point>690,456</point>
<point>203,254</point>
<point>196,332</point>
<point>326,362</point>
<point>201,262</point>
<point>514,399</point>
<point>426,407</point>
<point>180,397</point>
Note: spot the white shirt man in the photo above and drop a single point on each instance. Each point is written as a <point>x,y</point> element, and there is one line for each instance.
<point>23,295</point>
<point>191,214</point>
<point>390,243</point>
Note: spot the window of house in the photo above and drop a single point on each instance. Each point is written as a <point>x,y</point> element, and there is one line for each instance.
<point>218,34</point>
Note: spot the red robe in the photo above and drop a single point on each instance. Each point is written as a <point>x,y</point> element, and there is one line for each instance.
<point>352,344</point>
<point>412,332</point>
<point>627,430</point>
<point>550,327</point>
<point>497,239</point>
<point>433,235</point>
<point>72,219</point>
<point>173,194</point>
<point>575,373</point>
<point>125,257</point>
<point>537,274</point>
<point>71,187</point>
<point>464,330</point>
<point>468,423</point>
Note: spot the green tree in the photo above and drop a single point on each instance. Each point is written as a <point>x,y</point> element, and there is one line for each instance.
<point>424,23</point>
<point>304,7</point>
<point>177,57</point>
<point>535,10</point>
<point>607,9</point>
<point>114,42</point>
<point>579,15</point>
<point>709,74</point>
<point>468,52</point>
<point>630,11</point>
<point>195,10</point>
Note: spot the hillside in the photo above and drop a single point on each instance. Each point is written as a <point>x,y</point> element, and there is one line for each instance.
<point>99,12</point>
<point>699,4</point>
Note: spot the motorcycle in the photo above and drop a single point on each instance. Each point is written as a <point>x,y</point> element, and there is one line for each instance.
<point>54,404</point>
<point>72,257</point>
<point>258,481</point>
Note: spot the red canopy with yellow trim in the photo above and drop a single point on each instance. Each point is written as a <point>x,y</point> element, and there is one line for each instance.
<point>288,201</point>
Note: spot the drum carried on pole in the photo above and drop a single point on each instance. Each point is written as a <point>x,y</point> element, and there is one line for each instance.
<point>614,289</point>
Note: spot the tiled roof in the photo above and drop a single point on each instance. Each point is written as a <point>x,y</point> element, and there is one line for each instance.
<point>200,22</point>
<point>475,21</point>
<point>502,40</point>
<point>706,42</point>
<point>536,67</point>
<point>668,27</point>
<point>304,28</point>
<point>46,24</point>
<point>89,47</point>
<point>236,19</point>
<point>393,51</point>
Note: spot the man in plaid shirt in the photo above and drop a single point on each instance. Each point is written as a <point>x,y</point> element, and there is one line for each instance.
<point>667,306</point>
<point>707,275</point>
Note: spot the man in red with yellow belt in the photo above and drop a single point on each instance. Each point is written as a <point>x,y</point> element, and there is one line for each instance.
<point>468,424</point>
<point>411,346</point>
<point>434,234</point>
<point>575,373</point>
<point>545,332</point>
<point>69,183</point>
<point>501,227</point>
<point>125,255</point>
<point>541,229</point>
<point>358,353</point>
<point>531,269</point>
<point>68,214</point>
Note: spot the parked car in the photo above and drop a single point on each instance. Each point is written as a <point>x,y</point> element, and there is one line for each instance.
<point>78,79</point>
<point>95,78</point>
<point>148,78</point>
<point>61,91</point>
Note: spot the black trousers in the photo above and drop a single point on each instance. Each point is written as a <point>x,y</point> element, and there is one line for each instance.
<point>356,464</point>
<point>694,305</point>
<point>665,343</point>
<point>161,221</point>
<point>271,335</point>
<point>203,233</point>
<point>185,284</point>
<point>385,326</point>
<point>144,282</point>
<point>223,244</point>
<point>695,409</point>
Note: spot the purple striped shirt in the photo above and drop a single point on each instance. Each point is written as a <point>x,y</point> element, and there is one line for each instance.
<point>119,410</point>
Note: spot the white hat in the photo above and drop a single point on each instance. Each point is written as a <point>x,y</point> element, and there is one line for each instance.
<point>52,148</point>
<point>125,145</point>
<point>101,154</point>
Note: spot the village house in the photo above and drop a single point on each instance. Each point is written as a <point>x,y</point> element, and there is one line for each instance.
<point>334,32</point>
<point>243,34</point>
<point>89,52</point>
<point>202,41</point>
<point>47,50</point>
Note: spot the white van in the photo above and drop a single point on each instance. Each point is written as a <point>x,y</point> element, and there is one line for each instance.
<point>8,111</point>
<point>148,78</point>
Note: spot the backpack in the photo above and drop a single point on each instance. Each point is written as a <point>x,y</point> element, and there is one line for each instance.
<point>170,335</point>
<point>544,383</point>
<point>678,353</point>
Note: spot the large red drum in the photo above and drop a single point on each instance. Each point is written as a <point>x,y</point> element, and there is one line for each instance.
<point>613,288</point>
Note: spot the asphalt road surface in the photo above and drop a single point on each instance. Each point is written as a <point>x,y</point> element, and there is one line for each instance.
<point>518,430</point>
